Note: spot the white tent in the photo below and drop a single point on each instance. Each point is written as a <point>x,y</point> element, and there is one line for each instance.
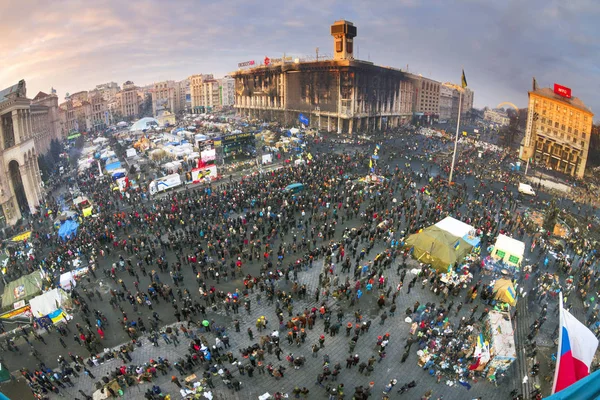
<point>100,140</point>
<point>122,124</point>
<point>67,280</point>
<point>454,227</point>
<point>48,302</point>
<point>510,250</point>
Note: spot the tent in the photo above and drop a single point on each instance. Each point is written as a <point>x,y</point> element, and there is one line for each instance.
<point>143,124</point>
<point>505,292</point>
<point>509,250</point>
<point>455,227</point>
<point>586,388</point>
<point>502,338</point>
<point>68,229</point>
<point>48,302</point>
<point>437,247</point>
<point>22,289</point>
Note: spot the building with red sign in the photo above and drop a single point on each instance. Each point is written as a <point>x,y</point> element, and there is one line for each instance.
<point>558,130</point>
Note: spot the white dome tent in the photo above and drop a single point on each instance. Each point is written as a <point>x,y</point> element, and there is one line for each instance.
<point>144,123</point>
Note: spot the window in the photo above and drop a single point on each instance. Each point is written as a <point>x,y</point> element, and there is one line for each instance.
<point>576,132</point>
<point>582,143</point>
<point>556,124</point>
<point>569,130</point>
<point>583,135</point>
<point>562,127</point>
<point>543,120</point>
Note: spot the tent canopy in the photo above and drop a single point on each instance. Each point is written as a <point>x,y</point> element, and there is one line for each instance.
<point>48,302</point>
<point>22,289</point>
<point>454,226</point>
<point>510,250</point>
<point>143,124</point>
<point>437,247</point>
<point>502,337</point>
<point>68,229</point>
<point>505,292</point>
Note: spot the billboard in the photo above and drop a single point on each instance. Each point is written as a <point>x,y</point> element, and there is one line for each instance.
<point>208,155</point>
<point>246,64</point>
<point>562,91</point>
<point>198,175</point>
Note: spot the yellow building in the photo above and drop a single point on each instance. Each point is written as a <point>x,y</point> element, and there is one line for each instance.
<point>558,131</point>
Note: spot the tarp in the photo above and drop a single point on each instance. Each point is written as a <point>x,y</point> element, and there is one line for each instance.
<point>22,289</point>
<point>68,229</point>
<point>503,340</point>
<point>505,292</point>
<point>509,250</point>
<point>67,280</point>
<point>48,302</point>
<point>437,247</point>
<point>586,388</point>
<point>454,227</point>
<point>115,165</point>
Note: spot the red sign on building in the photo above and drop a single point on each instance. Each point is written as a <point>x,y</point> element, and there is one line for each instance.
<point>562,91</point>
<point>267,61</point>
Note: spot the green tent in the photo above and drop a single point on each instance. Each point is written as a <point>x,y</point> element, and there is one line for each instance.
<point>437,247</point>
<point>24,288</point>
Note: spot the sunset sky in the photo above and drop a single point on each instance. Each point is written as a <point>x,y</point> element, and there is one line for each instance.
<point>74,45</point>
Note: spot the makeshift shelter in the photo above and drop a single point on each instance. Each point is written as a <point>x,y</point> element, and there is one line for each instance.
<point>68,229</point>
<point>437,247</point>
<point>143,124</point>
<point>502,342</point>
<point>504,291</point>
<point>23,288</point>
<point>509,250</point>
<point>47,303</point>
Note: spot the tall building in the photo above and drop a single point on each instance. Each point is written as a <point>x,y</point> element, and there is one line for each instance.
<point>45,119</point>
<point>343,94</point>
<point>227,87</point>
<point>100,117</point>
<point>129,100</point>
<point>448,103</point>
<point>182,96</point>
<point>20,180</point>
<point>108,91</point>
<point>427,96</point>
<point>197,91</point>
<point>558,130</point>
<point>163,97</point>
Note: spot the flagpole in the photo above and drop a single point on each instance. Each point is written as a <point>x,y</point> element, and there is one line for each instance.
<point>559,350</point>
<point>456,137</point>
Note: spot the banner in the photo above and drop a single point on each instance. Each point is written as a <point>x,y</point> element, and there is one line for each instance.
<point>19,312</point>
<point>208,155</point>
<point>198,175</point>
<point>303,119</point>
<point>21,236</point>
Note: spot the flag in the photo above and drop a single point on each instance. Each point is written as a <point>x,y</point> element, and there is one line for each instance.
<point>511,295</point>
<point>576,348</point>
<point>463,80</point>
<point>370,163</point>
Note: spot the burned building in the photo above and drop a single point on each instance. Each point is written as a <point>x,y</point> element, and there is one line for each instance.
<point>340,94</point>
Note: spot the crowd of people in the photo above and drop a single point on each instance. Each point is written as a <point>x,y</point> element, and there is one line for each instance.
<point>247,241</point>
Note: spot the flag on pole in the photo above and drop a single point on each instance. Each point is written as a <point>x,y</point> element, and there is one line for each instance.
<point>463,80</point>
<point>576,348</point>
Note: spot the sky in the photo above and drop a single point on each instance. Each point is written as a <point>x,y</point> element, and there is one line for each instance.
<point>74,45</point>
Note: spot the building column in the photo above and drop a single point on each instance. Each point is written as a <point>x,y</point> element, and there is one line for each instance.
<point>350,123</point>
<point>29,123</point>
<point>339,125</point>
<point>28,186</point>
<point>16,126</point>
<point>38,179</point>
<point>380,118</point>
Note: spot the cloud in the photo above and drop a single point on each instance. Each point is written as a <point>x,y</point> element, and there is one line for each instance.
<point>74,45</point>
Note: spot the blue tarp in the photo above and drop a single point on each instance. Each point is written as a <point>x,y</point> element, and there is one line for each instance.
<point>115,165</point>
<point>68,229</point>
<point>586,388</point>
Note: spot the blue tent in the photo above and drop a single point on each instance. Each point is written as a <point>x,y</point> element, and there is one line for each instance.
<point>110,167</point>
<point>68,229</point>
<point>586,388</point>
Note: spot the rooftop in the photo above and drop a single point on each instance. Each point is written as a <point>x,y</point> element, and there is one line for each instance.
<point>573,101</point>
<point>18,88</point>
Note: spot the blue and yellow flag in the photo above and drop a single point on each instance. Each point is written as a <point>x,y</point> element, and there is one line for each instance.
<point>510,293</point>
<point>463,80</point>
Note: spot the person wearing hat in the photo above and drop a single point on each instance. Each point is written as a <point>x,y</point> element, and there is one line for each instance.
<point>322,341</point>
<point>348,328</point>
<point>389,386</point>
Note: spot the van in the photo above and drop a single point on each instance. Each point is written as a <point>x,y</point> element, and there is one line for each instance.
<point>526,189</point>
<point>294,188</point>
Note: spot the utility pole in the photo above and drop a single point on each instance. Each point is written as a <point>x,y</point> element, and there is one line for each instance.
<point>317,51</point>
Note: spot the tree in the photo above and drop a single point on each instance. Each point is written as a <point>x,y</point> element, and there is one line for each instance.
<point>551,216</point>
<point>146,107</point>
<point>44,168</point>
